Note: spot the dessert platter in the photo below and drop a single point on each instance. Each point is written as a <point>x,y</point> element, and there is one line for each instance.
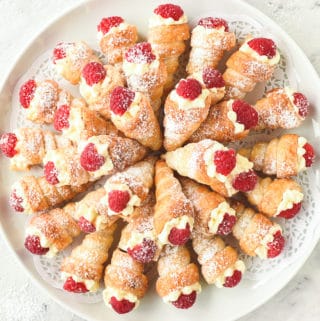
<point>163,162</point>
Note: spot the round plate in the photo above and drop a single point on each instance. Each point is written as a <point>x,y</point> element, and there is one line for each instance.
<point>80,24</point>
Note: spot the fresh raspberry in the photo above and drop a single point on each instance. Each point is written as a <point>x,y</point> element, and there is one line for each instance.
<point>85,225</point>
<point>76,287</point>
<point>122,306</point>
<point>141,53</point>
<point>144,252</point>
<point>179,236</point>
<point>276,246</point>
<point>118,200</point>
<point>169,11</point>
<point>246,114</point>
<point>225,161</point>
<point>15,201</point>
<point>263,46</point>
<point>309,155</point>
<point>26,93</point>
<point>185,301</point>
<point>301,101</point>
<point>212,78</point>
<point>291,212</point>
<point>32,244</point>
<point>213,23</point>
<point>107,23</point>
<point>93,72</point>
<point>90,159</point>
<point>189,88</point>
<point>58,52</point>
<point>8,143</point>
<point>246,181</point>
<point>225,227</point>
<point>233,280</point>
<point>51,173</point>
<point>120,100</point>
<point>61,118</point>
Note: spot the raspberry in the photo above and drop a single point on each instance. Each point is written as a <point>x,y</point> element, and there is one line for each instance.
<point>141,53</point>
<point>169,11</point>
<point>309,155</point>
<point>276,246</point>
<point>225,227</point>
<point>58,52</point>
<point>107,23</point>
<point>8,143</point>
<point>143,253</point>
<point>85,225</point>
<point>93,72</point>
<point>118,200</point>
<point>76,287</point>
<point>51,173</point>
<point>233,280</point>
<point>246,114</point>
<point>179,236</point>
<point>122,306</point>
<point>189,88</point>
<point>185,301</point>
<point>291,212</point>
<point>120,100</point>
<point>26,93</point>
<point>32,244</point>
<point>213,23</point>
<point>15,201</point>
<point>301,101</point>
<point>90,160</point>
<point>61,118</point>
<point>212,78</point>
<point>263,46</point>
<point>225,161</point>
<point>246,181</point>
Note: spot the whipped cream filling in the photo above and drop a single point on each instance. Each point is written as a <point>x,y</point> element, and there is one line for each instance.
<point>232,116</point>
<point>174,295</point>
<point>217,214</point>
<point>91,214</point>
<point>20,194</point>
<point>137,239</point>
<point>300,153</point>
<point>19,160</point>
<point>221,279</point>
<point>290,197</point>
<point>156,20</point>
<point>121,27</point>
<point>131,68</point>
<point>262,250</point>
<point>75,128</point>
<point>119,294</point>
<point>214,90</point>
<point>91,285</point>
<point>289,92</point>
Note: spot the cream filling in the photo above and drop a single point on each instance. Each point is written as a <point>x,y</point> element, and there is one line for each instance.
<point>214,90</point>
<point>156,20</point>
<point>133,202</point>
<point>19,193</point>
<point>75,125</point>
<point>238,127</point>
<point>19,160</point>
<point>262,250</point>
<point>91,214</point>
<point>217,214</point>
<point>179,223</point>
<point>289,92</point>
<point>131,112</point>
<point>221,279</point>
<point>131,68</point>
<point>121,27</point>
<point>300,152</point>
<point>119,294</point>
<point>174,295</point>
<point>290,197</point>
<point>91,285</point>
<point>137,238</point>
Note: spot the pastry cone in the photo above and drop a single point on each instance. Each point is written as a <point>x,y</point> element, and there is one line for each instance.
<point>132,114</point>
<point>178,281</point>
<point>26,147</point>
<point>82,269</point>
<point>284,157</point>
<point>277,197</point>
<point>254,62</point>
<point>185,109</point>
<point>167,34</point>
<point>34,194</point>
<point>220,264</point>
<point>95,157</point>
<point>51,232</point>
<point>145,72</point>
<point>210,163</point>
<point>96,84</point>
<point>125,283</point>
<point>70,58</point>
<point>212,214</point>
<point>41,99</point>
<point>257,235</point>
<point>225,122</point>
<point>173,216</point>
<point>209,41</point>
<point>282,108</point>
<point>129,189</point>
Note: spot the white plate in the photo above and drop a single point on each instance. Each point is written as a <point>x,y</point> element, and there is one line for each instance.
<point>80,24</point>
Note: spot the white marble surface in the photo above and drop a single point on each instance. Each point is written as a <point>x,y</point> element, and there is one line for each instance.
<point>21,300</point>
